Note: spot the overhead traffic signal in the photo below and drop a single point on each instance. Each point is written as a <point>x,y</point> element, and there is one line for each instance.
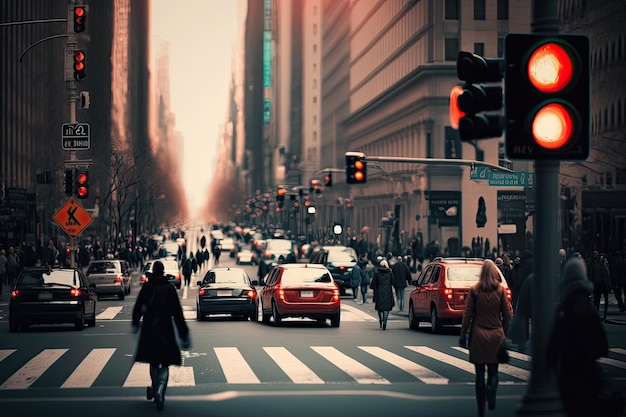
<point>79,65</point>
<point>547,99</point>
<point>82,184</point>
<point>469,101</point>
<point>68,182</point>
<point>356,168</point>
<point>328,179</point>
<point>280,197</point>
<point>80,15</point>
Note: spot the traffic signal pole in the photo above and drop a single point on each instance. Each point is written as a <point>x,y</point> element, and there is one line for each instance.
<point>542,395</point>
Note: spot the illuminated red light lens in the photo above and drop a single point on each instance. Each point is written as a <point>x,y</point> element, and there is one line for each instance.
<point>550,68</point>
<point>456,114</point>
<point>552,126</point>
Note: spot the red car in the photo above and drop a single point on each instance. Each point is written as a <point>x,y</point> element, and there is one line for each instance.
<point>442,289</point>
<point>301,290</point>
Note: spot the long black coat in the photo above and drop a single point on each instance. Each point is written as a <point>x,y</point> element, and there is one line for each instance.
<point>158,303</point>
<point>382,284</point>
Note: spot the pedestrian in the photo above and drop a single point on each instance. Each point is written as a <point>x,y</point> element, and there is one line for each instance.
<point>619,281</point>
<point>3,268</point>
<point>216,252</point>
<point>599,275</point>
<point>355,281</point>
<point>382,285</point>
<point>187,271</point>
<point>366,277</point>
<point>158,304</point>
<point>487,309</point>
<point>401,278</point>
<point>12,266</point>
<point>577,341</point>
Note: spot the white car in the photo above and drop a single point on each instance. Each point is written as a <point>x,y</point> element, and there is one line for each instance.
<point>246,257</point>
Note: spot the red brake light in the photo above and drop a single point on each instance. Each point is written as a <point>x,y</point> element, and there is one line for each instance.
<point>144,278</point>
<point>75,292</point>
<point>118,279</point>
<point>201,292</point>
<point>448,293</point>
<point>251,294</point>
<point>342,267</point>
<point>15,293</point>
<point>281,294</point>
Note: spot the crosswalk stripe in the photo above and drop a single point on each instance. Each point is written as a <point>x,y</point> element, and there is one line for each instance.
<point>235,368</point>
<point>89,369</point>
<point>4,353</point>
<point>442,357</point>
<point>505,368</point>
<point>360,373</point>
<point>139,376</point>
<point>618,350</point>
<point>30,372</point>
<point>297,371</point>
<point>418,371</point>
<point>350,313</point>
<point>109,313</point>
<point>613,362</point>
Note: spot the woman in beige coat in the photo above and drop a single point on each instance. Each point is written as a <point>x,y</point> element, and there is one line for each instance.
<point>488,309</point>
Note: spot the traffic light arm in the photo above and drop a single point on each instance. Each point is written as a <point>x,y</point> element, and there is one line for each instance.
<point>436,161</point>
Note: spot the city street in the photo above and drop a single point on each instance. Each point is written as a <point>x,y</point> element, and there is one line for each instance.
<point>235,366</point>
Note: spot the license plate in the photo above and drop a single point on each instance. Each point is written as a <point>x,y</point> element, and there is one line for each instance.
<point>224,293</point>
<point>44,296</point>
<point>306,294</point>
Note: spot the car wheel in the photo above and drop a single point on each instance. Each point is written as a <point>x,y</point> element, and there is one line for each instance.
<point>254,316</point>
<point>335,319</point>
<point>434,320</point>
<point>14,326</point>
<point>414,323</point>
<point>121,295</point>
<point>276,315</point>
<point>80,324</point>
<point>199,314</point>
<point>92,320</point>
<point>265,317</point>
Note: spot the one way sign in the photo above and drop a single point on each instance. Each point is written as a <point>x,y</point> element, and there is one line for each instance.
<point>72,217</point>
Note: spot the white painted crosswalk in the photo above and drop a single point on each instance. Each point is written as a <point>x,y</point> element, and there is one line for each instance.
<point>421,363</point>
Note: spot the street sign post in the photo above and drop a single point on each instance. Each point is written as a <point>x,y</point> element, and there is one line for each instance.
<point>76,136</point>
<point>72,217</point>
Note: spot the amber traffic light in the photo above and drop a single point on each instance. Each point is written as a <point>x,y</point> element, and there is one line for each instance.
<point>356,168</point>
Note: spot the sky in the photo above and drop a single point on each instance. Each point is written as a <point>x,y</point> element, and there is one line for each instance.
<point>203,37</point>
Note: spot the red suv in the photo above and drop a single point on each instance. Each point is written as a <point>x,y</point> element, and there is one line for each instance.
<point>442,289</point>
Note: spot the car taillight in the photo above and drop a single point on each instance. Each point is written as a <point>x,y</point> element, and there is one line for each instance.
<point>144,278</point>
<point>342,267</point>
<point>336,294</point>
<point>281,294</point>
<point>448,293</point>
<point>201,292</point>
<point>118,279</point>
<point>15,293</point>
<point>251,294</point>
<point>178,276</point>
<point>74,292</point>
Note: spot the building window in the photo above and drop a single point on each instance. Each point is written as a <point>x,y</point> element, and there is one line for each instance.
<point>451,49</point>
<point>314,99</point>
<point>451,11</point>
<point>479,10</point>
<point>479,49</point>
<point>314,82</point>
<point>503,9</point>
<point>314,48</point>
<point>315,28</point>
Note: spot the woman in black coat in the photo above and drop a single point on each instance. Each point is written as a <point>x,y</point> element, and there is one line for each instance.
<point>382,284</point>
<point>158,303</point>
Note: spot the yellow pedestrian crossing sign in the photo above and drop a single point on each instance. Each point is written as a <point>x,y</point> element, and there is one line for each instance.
<point>72,217</point>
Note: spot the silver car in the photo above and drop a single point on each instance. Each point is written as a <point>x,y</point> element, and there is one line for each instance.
<point>111,276</point>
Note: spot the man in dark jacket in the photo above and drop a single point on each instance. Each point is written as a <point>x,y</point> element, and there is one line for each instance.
<point>401,278</point>
<point>158,303</point>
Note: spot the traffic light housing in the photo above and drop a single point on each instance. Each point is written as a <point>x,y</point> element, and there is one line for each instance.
<point>79,65</point>
<point>547,100</point>
<point>356,168</point>
<point>469,101</point>
<point>328,179</point>
<point>68,182</point>
<point>80,15</point>
<point>82,184</point>
<point>280,197</point>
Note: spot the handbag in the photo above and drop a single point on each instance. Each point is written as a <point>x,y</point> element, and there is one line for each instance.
<point>503,353</point>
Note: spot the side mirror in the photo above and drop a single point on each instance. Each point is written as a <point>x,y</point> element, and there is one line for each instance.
<point>255,282</point>
<point>199,283</point>
<point>414,282</point>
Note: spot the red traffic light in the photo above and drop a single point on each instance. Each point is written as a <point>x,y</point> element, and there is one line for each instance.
<point>547,96</point>
<point>80,15</point>
<point>79,65</point>
<point>356,168</point>
<point>82,184</point>
<point>456,113</point>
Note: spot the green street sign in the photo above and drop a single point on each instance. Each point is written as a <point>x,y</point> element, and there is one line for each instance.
<point>512,179</point>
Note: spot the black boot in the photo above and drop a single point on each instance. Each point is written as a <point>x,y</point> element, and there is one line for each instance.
<point>159,395</point>
<point>154,369</point>
<point>491,396</point>
<point>480,397</point>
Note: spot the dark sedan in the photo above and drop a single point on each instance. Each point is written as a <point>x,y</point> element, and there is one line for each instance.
<point>52,296</point>
<point>227,291</point>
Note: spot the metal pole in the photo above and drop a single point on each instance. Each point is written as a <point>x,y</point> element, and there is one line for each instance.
<point>542,395</point>
<point>73,98</point>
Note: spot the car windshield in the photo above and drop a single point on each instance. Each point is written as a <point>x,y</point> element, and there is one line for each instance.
<point>103,268</point>
<point>305,276</point>
<point>55,277</point>
<point>225,277</point>
<point>342,255</point>
<point>470,273</point>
